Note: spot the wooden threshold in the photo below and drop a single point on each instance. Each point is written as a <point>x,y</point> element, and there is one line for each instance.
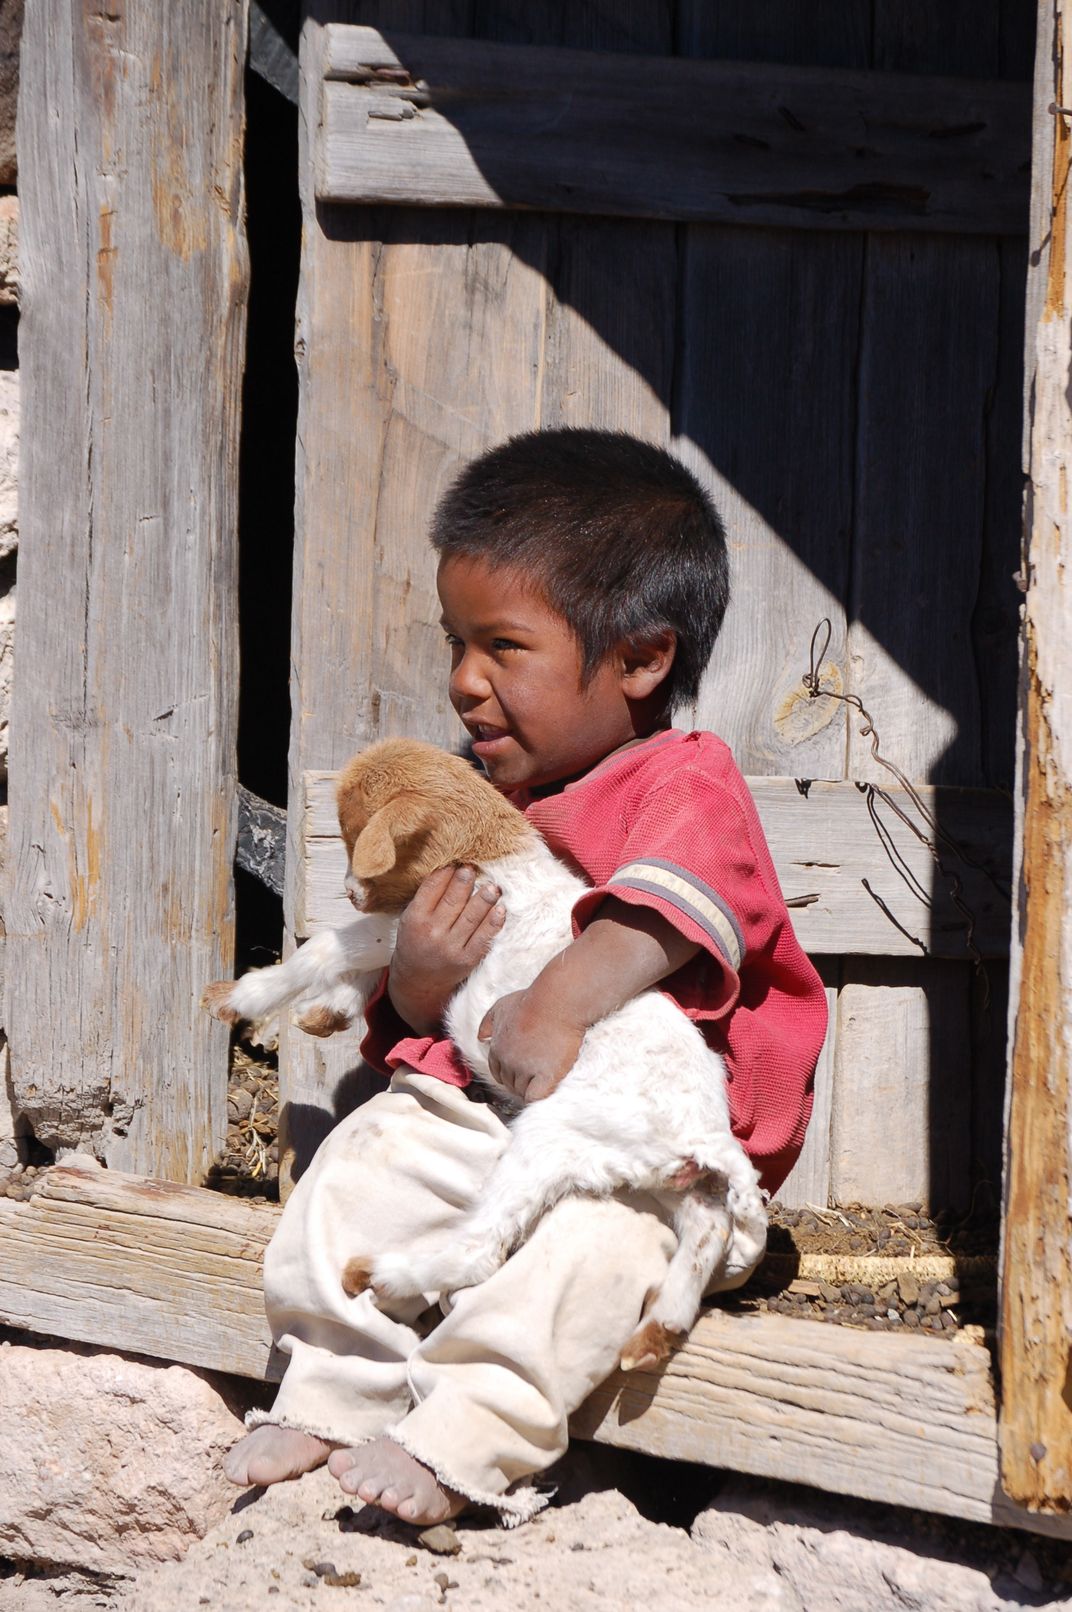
<point>130,1263</point>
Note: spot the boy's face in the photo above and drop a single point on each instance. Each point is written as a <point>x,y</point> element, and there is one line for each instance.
<point>515,680</point>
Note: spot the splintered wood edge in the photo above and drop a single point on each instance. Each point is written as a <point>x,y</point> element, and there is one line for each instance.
<point>173,1272</point>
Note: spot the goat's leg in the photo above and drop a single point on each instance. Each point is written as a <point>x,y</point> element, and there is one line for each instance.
<point>703,1226</point>
<point>542,1165</point>
<point>324,973</point>
<point>548,1159</point>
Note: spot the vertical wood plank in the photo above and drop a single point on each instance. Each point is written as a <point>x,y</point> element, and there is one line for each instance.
<point>420,343</point>
<point>809,1181</point>
<point>423,339</point>
<point>778,450</point>
<point>1036,1309</point>
<point>901,1126</point>
<point>134,276</point>
<point>929,616</point>
<point>764,408</point>
<point>927,367</point>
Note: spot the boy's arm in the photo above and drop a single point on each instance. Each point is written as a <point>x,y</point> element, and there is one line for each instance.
<point>536,1034</point>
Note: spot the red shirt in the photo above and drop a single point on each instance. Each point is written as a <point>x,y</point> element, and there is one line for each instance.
<point>669,824</point>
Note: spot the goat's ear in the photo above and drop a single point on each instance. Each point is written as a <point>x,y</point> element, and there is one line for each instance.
<point>376,848</point>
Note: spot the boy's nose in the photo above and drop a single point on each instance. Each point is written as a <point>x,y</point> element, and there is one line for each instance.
<point>468,680</point>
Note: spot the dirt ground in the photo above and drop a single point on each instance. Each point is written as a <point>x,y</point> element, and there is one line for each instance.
<point>622,1532</point>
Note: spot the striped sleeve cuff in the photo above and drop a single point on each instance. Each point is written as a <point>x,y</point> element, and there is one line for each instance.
<point>691,896</point>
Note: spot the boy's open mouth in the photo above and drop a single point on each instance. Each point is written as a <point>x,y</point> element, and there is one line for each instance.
<point>487,740</point>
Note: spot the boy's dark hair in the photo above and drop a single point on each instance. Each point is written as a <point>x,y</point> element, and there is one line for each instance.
<point>621,538</point>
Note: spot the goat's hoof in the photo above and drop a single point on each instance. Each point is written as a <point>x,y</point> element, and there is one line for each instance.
<point>649,1346</point>
<point>357,1276</point>
<point>323,1022</point>
<point>215,999</point>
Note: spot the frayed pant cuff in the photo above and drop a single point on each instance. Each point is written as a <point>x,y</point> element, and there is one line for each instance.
<point>519,1506</point>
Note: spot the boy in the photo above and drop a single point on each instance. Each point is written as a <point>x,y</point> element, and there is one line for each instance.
<point>583,578</point>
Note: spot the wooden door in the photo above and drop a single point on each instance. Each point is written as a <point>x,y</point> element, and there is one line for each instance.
<point>837,355</point>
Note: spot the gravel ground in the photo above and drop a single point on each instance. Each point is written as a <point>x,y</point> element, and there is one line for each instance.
<point>623,1531</point>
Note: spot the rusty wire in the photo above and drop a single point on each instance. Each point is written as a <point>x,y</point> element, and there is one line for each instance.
<point>933,835</point>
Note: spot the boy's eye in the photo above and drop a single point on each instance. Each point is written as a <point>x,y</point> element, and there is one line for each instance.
<point>453,640</point>
<point>504,643</point>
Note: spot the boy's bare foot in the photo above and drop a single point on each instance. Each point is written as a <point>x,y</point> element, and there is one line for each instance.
<point>384,1474</point>
<point>273,1454</point>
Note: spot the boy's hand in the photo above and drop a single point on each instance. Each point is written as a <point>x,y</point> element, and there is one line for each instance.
<point>442,935</point>
<point>536,1034</point>
<point>531,1049</point>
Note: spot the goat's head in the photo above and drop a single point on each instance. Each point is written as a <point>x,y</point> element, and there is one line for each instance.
<point>406,809</point>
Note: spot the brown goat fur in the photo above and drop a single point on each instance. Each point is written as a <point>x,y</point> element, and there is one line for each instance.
<point>407,808</point>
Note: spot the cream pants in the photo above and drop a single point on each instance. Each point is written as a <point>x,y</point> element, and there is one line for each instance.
<point>483,1399</point>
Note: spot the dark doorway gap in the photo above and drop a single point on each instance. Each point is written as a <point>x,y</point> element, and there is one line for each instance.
<point>266,485</point>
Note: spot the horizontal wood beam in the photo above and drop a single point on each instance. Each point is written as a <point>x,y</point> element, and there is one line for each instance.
<point>130,1263</point>
<point>825,843</point>
<point>468,123</point>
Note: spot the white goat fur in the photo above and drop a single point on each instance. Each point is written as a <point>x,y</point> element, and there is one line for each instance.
<point>644,1103</point>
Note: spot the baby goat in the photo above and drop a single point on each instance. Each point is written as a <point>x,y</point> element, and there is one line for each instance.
<point>644,1106</point>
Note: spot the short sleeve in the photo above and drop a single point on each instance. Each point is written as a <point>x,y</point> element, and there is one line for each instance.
<point>391,1044</point>
<point>385,1028</point>
<point>688,854</point>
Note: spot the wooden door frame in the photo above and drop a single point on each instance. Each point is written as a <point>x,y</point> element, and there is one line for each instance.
<point>1036,1312</point>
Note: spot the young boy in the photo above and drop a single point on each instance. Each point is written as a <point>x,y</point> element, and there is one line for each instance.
<point>583,578</point>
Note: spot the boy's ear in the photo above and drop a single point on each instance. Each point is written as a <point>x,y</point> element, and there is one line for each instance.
<point>376,847</point>
<point>646,664</point>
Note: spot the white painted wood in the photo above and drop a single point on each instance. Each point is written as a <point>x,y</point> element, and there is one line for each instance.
<point>122,759</point>
<point>823,844</point>
<point>560,130</point>
<point>173,1272</point>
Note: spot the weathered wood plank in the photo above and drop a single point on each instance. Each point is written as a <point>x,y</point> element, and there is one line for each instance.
<point>927,367</point>
<point>822,149</point>
<point>129,1263</point>
<point>783,308</point>
<point>901,1123</point>
<point>873,1415</point>
<point>420,344</point>
<point>824,844</point>
<point>1036,1413</point>
<point>809,1181</point>
<point>134,276</point>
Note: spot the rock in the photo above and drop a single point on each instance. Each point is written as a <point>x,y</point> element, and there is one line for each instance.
<point>9,462</point>
<point>108,1463</point>
<point>442,1540</point>
<point>241,1102</point>
<point>908,1287</point>
<point>9,249</point>
<point>834,1555</point>
<point>1028,1574</point>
